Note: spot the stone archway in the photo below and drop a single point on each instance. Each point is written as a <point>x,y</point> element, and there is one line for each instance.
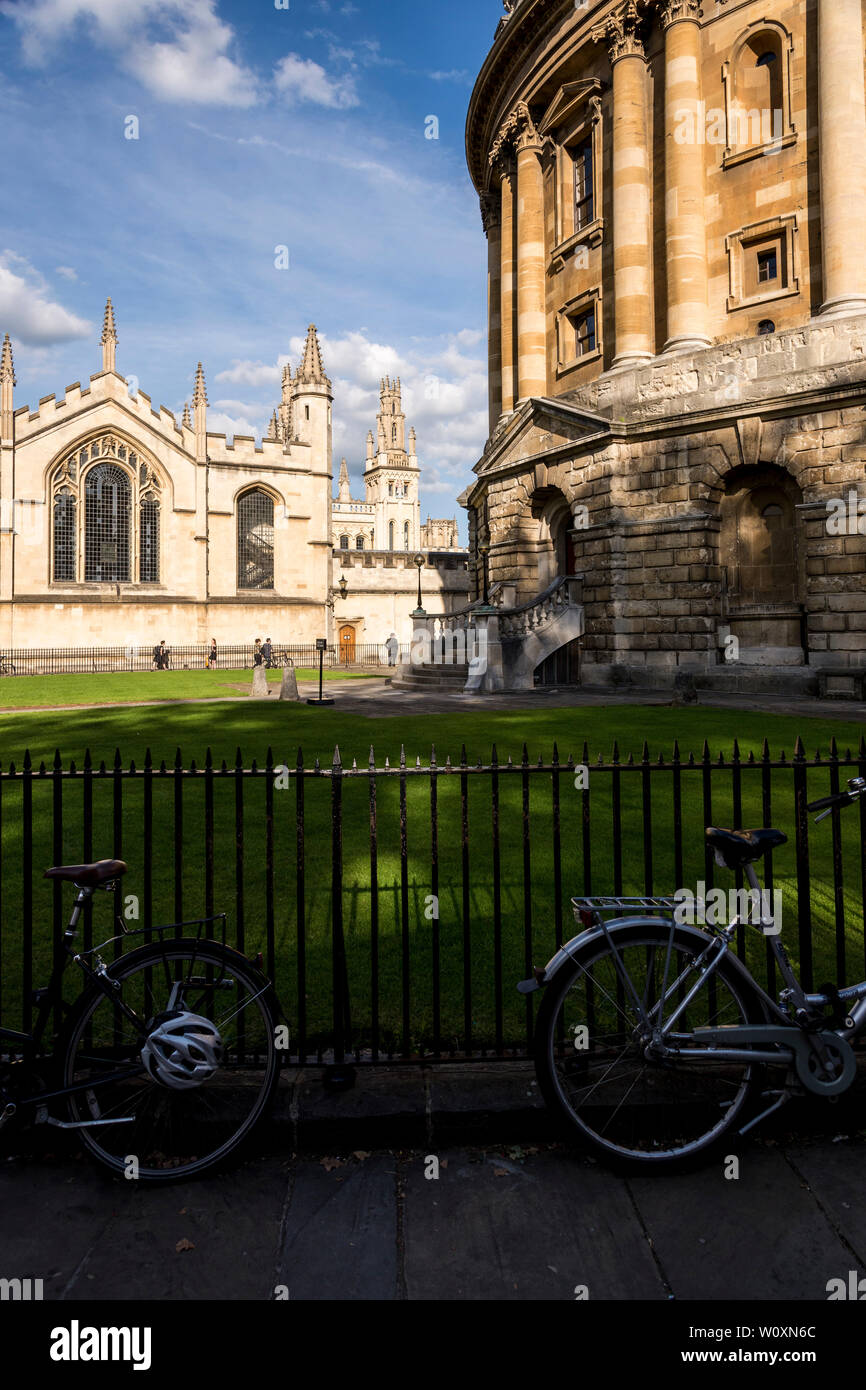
<point>760,556</point>
<point>548,546</point>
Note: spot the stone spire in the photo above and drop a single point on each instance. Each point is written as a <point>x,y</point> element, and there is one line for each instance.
<point>413,442</point>
<point>286,423</point>
<point>7,386</point>
<point>199,406</point>
<point>187,419</point>
<point>311,372</point>
<point>109,339</point>
<point>274,427</point>
<point>391,420</point>
<point>371,446</point>
<point>345,487</point>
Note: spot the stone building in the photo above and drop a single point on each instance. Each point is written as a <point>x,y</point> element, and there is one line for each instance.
<point>376,541</point>
<point>675,201</point>
<point>121,526</point>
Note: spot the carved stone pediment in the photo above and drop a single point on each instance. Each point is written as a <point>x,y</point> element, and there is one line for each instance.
<point>571,98</point>
<point>539,427</point>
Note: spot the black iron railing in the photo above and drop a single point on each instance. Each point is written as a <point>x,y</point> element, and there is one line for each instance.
<point>53,661</point>
<point>397,905</point>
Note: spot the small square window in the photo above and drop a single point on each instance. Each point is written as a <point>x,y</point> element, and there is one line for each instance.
<point>768,266</point>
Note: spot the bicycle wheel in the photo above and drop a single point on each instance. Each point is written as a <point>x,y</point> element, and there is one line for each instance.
<point>591,1048</point>
<point>173,1126</point>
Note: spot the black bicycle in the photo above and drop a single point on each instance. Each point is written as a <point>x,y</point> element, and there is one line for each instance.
<point>168,1060</point>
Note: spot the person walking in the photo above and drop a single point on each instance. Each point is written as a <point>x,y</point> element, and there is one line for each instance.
<point>392,647</point>
<point>257,652</point>
<point>212,655</point>
<point>161,656</point>
<point>268,653</point>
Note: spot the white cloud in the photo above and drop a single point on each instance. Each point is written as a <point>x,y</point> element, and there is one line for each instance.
<point>26,310</point>
<point>300,79</point>
<point>253,373</point>
<point>178,49</point>
<point>66,271</point>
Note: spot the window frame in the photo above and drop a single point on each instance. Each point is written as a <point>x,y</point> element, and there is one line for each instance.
<point>735,154</point>
<point>578,308</point>
<point>68,476</point>
<point>574,119</point>
<point>783,229</point>
<point>242,496</point>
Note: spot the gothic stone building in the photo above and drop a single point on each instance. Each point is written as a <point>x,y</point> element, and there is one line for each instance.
<point>376,541</point>
<point>120,525</point>
<point>675,203</point>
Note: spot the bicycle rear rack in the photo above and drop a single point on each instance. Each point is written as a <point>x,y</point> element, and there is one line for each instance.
<point>620,907</point>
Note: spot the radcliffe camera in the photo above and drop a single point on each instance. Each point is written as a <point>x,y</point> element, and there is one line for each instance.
<point>432,672</point>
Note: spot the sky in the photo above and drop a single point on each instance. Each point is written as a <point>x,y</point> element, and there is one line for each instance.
<point>229,171</point>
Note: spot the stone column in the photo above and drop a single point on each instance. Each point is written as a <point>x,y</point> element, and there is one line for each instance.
<point>508,286</point>
<point>842,145</point>
<point>632,224</point>
<point>491,217</point>
<point>686,240</point>
<point>531,312</point>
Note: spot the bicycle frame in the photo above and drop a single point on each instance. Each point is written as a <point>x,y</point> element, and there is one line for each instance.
<point>49,996</point>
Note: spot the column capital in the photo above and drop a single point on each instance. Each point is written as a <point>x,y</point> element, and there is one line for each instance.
<point>491,212</point>
<point>517,132</point>
<point>622,32</point>
<point>675,11</point>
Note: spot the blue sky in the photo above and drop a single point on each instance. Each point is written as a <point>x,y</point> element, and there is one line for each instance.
<point>258,128</point>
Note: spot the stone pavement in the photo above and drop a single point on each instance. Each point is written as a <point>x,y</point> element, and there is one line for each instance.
<point>374,698</point>
<point>330,1211</point>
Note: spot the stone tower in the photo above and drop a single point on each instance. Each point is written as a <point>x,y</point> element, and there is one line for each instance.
<point>392,477</point>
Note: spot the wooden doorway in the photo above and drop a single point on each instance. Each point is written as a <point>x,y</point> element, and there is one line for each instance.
<point>347,645</point>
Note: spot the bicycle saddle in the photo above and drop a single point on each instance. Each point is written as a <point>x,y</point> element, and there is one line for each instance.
<point>88,875</point>
<point>739,847</point>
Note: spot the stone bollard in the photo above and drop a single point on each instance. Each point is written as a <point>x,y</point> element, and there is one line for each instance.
<point>289,685</point>
<point>260,683</point>
<point>685,689</point>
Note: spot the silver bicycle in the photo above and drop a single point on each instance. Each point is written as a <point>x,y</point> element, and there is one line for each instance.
<point>653,1039</point>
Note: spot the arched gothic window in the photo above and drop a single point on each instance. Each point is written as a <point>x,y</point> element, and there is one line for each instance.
<point>390,535</point>
<point>255,540</point>
<point>359,542</point>
<point>105,515</point>
<point>406,535</point>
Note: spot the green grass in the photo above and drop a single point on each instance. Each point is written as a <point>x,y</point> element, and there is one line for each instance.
<point>466,900</point>
<point>123,687</point>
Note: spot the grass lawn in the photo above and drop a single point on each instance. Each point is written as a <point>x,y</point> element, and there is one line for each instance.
<point>121,687</point>
<point>466,890</point>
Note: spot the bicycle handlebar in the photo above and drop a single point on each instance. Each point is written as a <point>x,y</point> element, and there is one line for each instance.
<point>826,804</point>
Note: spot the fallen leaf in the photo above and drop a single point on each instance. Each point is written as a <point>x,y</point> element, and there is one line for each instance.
<point>501,1173</point>
<point>360,1154</point>
<point>329,1164</point>
<point>184,1245</point>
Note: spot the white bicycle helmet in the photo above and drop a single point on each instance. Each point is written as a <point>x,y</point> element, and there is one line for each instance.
<point>182,1052</point>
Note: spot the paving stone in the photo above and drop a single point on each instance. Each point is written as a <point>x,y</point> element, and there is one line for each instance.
<point>760,1237</point>
<point>341,1232</point>
<point>508,1230</point>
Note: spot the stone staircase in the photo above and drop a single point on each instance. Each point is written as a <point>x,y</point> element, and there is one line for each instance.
<point>486,648</point>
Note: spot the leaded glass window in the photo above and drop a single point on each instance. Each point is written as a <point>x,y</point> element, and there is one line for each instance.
<point>256,540</point>
<point>106,519</point>
<point>64,536</point>
<point>149,551</point>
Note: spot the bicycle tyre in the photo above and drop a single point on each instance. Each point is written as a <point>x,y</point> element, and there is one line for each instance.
<point>612,1132</point>
<point>163,1118</point>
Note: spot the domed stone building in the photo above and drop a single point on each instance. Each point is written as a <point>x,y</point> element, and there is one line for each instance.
<point>675,207</point>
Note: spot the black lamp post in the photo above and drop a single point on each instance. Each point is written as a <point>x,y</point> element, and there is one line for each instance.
<point>419,561</point>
